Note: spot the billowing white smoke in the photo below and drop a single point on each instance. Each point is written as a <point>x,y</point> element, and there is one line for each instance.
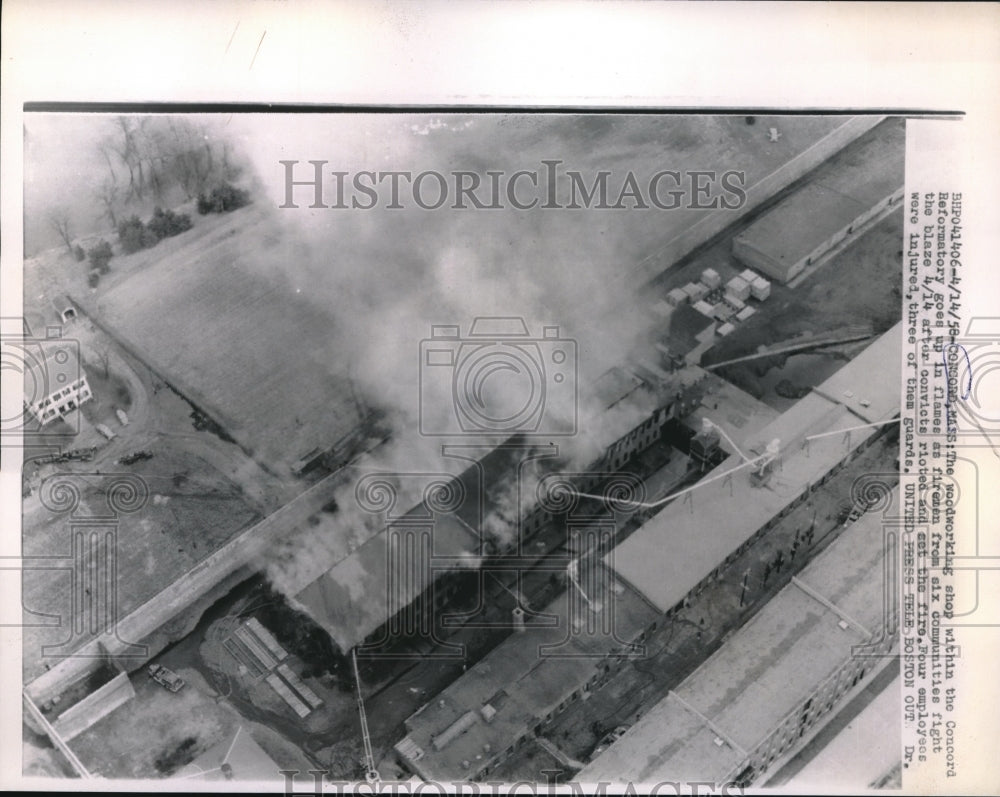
<point>386,276</point>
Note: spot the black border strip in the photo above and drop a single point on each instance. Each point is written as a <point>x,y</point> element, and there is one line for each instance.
<point>262,107</point>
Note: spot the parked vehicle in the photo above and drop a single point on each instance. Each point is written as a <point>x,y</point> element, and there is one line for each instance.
<point>608,740</point>
<point>135,456</point>
<point>105,431</point>
<point>168,679</point>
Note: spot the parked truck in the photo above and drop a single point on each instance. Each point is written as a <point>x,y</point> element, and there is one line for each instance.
<point>168,679</point>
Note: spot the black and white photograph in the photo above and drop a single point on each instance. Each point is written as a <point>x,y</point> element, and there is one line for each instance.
<point>561,446</point>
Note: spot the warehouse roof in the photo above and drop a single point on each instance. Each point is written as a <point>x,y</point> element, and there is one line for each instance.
<point>523,679</point>
<point>870,399</point>
<point>383,576</point>
<point>680,546</point>
<point>729,705</point>
<point>796,226</point>
<point>364,590</point>
<point>672,553</point>
<point>866,175</point>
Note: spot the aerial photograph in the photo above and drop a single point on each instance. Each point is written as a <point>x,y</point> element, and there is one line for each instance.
<point>460,446</point>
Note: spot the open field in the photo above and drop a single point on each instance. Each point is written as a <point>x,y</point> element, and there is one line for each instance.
<point>190,511</point>
<point>237,341</point>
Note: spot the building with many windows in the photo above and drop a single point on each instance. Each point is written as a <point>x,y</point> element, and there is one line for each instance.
<point>571,647</point>
<point>54,382</point>
<point>777,680</point>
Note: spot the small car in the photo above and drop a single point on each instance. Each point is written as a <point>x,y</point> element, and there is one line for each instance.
<point>608,740</point>
<point>168,679</point>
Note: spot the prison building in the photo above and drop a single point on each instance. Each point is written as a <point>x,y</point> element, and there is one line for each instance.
<point>490,711</point>
<point>718,521</point>
<point>814,219</point>
<point>416,563</point>
<point>564,651</point>
<point>758,698</point>
<point>55,383</point>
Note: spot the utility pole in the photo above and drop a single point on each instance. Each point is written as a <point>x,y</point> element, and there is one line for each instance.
<point>371,774</point>
<point>743,591</point>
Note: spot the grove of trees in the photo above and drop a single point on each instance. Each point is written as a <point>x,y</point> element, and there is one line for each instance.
<point>162,160</point>
<point>133,235</point>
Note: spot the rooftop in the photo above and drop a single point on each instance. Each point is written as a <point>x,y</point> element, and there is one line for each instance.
<point>870,172</point>
<point>681,545</point>
<point>525,678</point>
<point>871,400</point>
<point>363,588</point>
<point>764,671</point>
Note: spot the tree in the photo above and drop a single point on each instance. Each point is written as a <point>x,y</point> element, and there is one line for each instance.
<point>159,157</point>
<point>104,358</point>
<point>59,221</point>
<point>100,256</point>
<point>107,194</point>
<point>223,199</point>
<point>130,235</point>
<point>166,223</point>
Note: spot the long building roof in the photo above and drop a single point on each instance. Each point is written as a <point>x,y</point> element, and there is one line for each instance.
<point>672,553</point>
<point>732,702</point>
<point>523,679</point>
<point>524,686</point>
<point>386,573</point>
<point>870,399</point>
<point>364,589</point>
<point>871,171</point>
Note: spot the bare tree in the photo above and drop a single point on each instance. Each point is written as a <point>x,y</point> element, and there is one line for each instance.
<point>107,195</point>
<point>59,221</point>
<point>104,359</point>
<point>149,157</point>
